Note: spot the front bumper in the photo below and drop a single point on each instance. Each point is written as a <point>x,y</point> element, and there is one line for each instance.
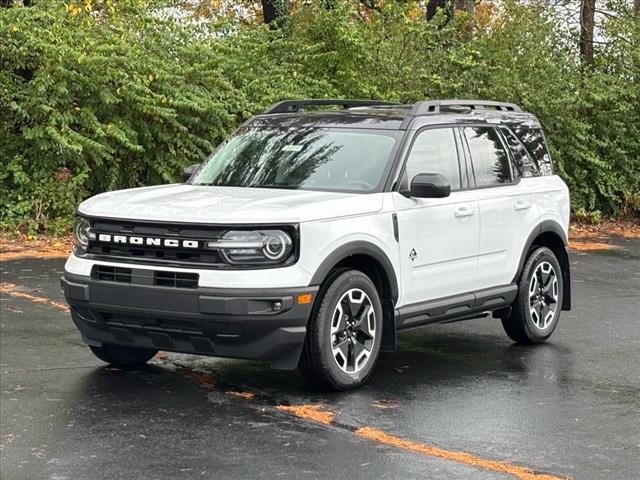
<point>236,323</point>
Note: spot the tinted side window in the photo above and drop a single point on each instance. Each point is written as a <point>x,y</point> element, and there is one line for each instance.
<point>434,151</point>
<point>488,156</point>
<point>525,165</point>
<point>533,140</point>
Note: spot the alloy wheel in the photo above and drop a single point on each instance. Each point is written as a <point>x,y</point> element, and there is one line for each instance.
<point>543,295</point>
<point>353,331</point>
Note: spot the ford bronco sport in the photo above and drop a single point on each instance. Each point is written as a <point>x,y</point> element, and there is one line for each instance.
<point>310,238</point>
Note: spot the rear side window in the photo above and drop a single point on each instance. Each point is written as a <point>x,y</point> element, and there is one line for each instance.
<point>488,156</point>
<point>524,164</point>
<point>533,140</point>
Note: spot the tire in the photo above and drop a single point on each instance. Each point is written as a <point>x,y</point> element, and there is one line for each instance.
<point>530,320</point>
<point>125,357</point>
<point>344,334</point>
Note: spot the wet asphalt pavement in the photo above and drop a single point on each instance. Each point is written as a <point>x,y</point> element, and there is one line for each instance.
<point>568,408</point>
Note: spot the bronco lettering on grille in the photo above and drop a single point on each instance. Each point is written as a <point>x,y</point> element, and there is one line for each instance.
<point>149,241</point>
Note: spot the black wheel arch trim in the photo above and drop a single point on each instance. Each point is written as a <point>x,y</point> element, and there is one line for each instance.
<point>358,247</point>
<point>550,226</point>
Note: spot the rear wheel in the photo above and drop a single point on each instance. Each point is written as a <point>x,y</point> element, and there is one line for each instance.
<point>343,339</point>
<point>536,311</point>
<point>120,356</point>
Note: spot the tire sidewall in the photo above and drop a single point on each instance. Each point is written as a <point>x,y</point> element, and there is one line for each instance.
<point>345,282</point>
<point>542,254</point>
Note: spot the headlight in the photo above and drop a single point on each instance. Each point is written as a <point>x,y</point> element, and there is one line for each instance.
<point>81,235</point>
<point>254,246</point>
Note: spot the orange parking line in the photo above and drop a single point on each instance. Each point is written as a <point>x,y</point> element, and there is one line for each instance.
<point>523,473</point>
<point>14,291</point>
<point>310,411</point>
<point>206,380</point>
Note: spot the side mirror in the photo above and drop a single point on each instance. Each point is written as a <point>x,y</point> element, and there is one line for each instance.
<point>429,185</point>
<point>190,170</point>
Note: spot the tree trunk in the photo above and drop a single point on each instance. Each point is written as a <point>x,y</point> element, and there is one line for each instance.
<point>587,25</point>
<point>272,12</point>
<point>433,6</point>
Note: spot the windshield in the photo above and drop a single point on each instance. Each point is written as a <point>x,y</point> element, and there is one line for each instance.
<point>308,159</point>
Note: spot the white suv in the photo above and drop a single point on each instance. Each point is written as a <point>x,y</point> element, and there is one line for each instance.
<point>309,239</point>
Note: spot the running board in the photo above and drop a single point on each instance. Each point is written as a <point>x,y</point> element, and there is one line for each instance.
<point>456,307</point>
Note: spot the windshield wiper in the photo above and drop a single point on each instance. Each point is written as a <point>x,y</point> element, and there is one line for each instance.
<point>272,185</point>
<point>251,185</point>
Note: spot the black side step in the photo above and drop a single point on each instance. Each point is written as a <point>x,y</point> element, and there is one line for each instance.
<point>456,307</point>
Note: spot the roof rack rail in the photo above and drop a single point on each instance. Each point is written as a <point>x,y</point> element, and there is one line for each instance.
<point>434,106</point>
<point>291,106</point>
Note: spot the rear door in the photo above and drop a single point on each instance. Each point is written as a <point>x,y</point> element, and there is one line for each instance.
<point>438,236</point>
<point>507,206</point>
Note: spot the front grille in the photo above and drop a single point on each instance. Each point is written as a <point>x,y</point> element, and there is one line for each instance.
<point>179,255</point>
<point>154,254</point>
<point>175,245</point>
<point>112,274</point>
<point>175,279</point>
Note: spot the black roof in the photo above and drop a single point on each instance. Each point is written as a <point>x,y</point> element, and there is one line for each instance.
<point>374,114</point>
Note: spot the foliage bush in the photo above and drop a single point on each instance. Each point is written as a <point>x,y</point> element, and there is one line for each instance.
<point>103,95</point>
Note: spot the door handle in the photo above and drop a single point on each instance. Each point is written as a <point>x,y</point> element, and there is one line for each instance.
<point>522,205</point>
<point>462,212</point>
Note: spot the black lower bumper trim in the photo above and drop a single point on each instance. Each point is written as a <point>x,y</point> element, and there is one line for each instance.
<point>261,324</point>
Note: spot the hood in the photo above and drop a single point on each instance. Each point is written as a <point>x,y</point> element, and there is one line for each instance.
<point>228,205</point>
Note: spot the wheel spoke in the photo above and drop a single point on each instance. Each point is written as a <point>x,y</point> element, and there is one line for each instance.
<point>549,300</point>
<point>544,277</point>
<point>359,309</point>
<point>339,323</point>
<point>361,323</point>
<point>538,309</point>
<point>358,348</point>
<point>543,314</point>
<point>351,362</point>
<point>343,347</point>
<point>348,307</point>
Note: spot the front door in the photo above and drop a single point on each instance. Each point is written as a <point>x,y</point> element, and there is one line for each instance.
<point>438,236</point>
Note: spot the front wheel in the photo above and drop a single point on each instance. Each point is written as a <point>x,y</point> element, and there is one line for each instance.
<point>535,313</point>
<point>127,357</point>
<point>343,338</point>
